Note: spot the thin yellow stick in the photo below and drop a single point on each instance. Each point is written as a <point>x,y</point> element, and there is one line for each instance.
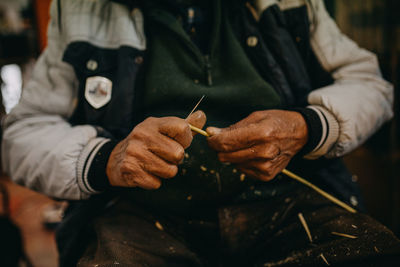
<point>318,190</point>
<point>324,259</point>
<point>297,178</point>
<point>199,131</point>
<point>344,235</point>
<point>304,223</point>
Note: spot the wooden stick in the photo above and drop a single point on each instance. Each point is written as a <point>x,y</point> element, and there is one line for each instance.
<point>324,259</point>
<point>318,190</point>
<point>297,178</point>
<point>199,131</point>
<point>344,235</point>
<point>304,223</point>
<point>198,103</point>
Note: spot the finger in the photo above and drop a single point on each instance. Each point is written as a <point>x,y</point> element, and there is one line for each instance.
<point>177,129</point>
<point>249,172</point>
<point>257,152</point>
<point>229,140</point>
<point>135,178</point>
<point>159,167</point>
<point>197,119</point>
<point>255,173</point>
<point>147,161</point>
<point>167,149</point>
<point>266,170</point>
<point>213,130</point>
<point>148,181</point>
<point>254,117</point>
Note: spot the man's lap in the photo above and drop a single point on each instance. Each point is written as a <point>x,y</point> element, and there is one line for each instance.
<point>262,233</point>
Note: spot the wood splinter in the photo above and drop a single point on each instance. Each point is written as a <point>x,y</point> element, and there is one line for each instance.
<point>344,235</point>
<point>304,223</point>
<point>324,259</point>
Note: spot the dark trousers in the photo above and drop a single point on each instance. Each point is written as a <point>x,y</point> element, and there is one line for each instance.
<point>262,233</point>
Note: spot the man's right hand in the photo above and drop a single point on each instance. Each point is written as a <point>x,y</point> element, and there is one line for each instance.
<point>152,151</point>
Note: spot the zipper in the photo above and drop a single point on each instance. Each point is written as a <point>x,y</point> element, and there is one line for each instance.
<point>208,70</point>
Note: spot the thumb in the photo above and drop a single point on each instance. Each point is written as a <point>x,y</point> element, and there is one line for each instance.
<point>213,130</point>
<point>197,119</point>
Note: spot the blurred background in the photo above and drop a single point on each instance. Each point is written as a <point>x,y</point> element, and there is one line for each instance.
<point>373,24</point>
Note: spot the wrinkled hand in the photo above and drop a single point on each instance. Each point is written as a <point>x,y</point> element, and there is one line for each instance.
<point>152,151</point>
<point>262,144</point>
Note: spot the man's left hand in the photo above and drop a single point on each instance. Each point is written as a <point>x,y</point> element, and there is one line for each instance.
<point>262,144</point>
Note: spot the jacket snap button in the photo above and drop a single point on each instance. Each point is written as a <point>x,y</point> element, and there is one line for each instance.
<point>252,41</point>
<point>91,64</point>
<point>139,60</point>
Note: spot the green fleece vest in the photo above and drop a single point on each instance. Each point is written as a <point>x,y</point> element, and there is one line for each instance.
<point>177,75</point>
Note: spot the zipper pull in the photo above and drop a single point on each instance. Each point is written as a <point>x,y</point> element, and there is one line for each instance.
<point>208,70</point>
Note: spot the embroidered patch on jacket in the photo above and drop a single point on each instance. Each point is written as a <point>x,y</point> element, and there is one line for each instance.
<point>98,91</point>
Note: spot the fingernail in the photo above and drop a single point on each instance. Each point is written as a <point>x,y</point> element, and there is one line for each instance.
<point>213,130</point>
<point>198,114</point>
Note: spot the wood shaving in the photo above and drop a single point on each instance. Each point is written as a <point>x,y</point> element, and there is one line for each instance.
<point>189,197</point>
<point>324,259</point>
<point>234,171</point>
<point>159,226</point>
<point>319,191</point>
<point>344,235</point>
<point>305,226</point>
<point>204,169</point>
<point>242,177</point>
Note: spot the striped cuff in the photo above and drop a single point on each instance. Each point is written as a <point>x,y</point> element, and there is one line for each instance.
<point>329,132</point>
<point>85,160</point>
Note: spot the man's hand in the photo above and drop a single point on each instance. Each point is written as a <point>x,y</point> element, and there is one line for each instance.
<point>263,143</point>
<point>152,151</point>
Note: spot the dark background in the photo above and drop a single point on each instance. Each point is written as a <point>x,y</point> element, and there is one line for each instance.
<point>373,24</point>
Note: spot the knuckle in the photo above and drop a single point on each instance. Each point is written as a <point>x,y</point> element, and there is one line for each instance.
<point>125,167</point>
<point>222,146</point>
<point>131,150</point>
<point>266,152</point>
<point>182,126</point>
<point>150,120</point>
<point>265,169</point>
<point>128,179</point>
<point>264,134</point>
<point>140,133</point>
<point>255,114</point>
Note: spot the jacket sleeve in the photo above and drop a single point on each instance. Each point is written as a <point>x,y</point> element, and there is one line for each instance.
<point>358,102</point>
<point>40,149</point>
